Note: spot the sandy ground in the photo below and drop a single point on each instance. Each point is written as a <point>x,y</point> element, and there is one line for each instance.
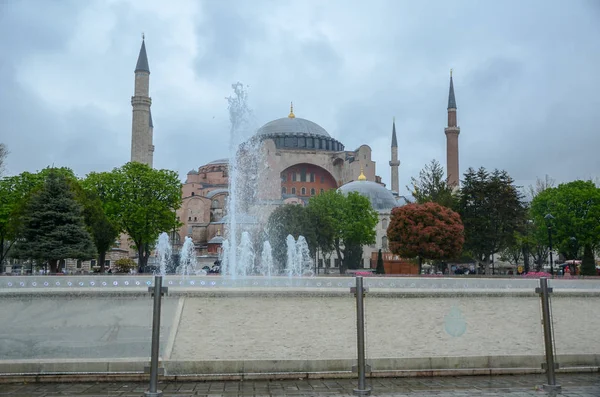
<point>319,328</point>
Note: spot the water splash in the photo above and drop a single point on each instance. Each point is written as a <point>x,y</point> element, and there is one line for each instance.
<point>224,257</point>
<point>266,263</point>
<point>188,264</point>
<point>245,258</point>
<point>299,262</point>
<point>163,253</point>
<point>239,118</point>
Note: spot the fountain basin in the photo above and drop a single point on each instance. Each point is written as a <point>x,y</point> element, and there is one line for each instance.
<point>263,326</point>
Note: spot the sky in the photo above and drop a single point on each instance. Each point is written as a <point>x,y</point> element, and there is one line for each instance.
<point>526,77</point>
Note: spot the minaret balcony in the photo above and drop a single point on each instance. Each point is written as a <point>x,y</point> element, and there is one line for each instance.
<point>141,100</point>
<point>395,163</point>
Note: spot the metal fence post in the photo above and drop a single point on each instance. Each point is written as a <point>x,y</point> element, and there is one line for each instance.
<point>550,365</point>
<point>359,291</point>
<point>157,290</point>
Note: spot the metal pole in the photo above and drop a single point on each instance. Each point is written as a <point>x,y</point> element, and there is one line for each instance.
<point>362,389</point>
<point>157,291</point>
<point>544,292</point>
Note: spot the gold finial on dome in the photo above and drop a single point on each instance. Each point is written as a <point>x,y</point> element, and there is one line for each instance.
<point>219,232</point>
<point>291,115</point>
<point>362,176</point>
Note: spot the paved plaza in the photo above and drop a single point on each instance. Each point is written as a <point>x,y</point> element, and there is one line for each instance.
<point>574,385</point>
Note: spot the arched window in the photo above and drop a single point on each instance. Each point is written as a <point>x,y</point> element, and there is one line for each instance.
<point>293,190</point>
<point>322,190</point>
<point>384,243</point>
<point>193,194</point>
<point>283,190</point>
<point>303,190</point>
<point>312,191</point>
<point>384,223</point>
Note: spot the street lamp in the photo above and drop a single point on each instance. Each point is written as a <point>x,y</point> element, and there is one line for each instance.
<point>549,219</point>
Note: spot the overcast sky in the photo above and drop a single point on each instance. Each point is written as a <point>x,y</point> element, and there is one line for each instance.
<point>526,77</point>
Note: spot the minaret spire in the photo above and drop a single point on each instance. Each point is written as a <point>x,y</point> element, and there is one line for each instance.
<point>394,162</point>
<point>142,129</point>
<point>452,131</point>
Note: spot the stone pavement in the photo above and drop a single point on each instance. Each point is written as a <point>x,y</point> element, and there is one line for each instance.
<point>574,385</point>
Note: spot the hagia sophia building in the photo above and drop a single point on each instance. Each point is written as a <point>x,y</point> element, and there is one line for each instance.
<point>302,160</point>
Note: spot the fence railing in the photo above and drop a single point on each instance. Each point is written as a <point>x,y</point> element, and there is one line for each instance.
<point>211,326</point>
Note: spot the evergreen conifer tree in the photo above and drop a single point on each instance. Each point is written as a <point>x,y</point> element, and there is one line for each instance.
<point>53,226</point>
<point>588,265</point>
<point>380,268</point>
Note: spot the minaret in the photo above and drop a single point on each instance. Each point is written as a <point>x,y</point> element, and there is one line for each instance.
<point>394,163</point>
<point>452,132</point>
<point>142,149</point>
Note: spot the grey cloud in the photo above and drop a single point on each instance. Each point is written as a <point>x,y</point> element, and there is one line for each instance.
<point>525,79</point>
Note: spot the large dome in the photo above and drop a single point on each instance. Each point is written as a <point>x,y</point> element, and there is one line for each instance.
<point>382,200</point>
<point>292,125</point>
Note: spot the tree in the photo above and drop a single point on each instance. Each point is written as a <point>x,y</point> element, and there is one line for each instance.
<point>139,201</point>
<point>53,227</point>
<point>380,268</point>
<point>3,154</point>
<point>492,210</point>
<point>103,231</point>
<point>285,220</point>
<point>427,231</point>
<point>588,264</point>
<point>349,221</point>
<point>15,192</point>
<point>432,186</point>
<point>575,207</point>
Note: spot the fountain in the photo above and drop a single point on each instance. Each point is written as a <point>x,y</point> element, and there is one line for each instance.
<point>188,265</point>
<point>299,262</point>
<point>266,263</point>
<point>243,206</point>
<point>163,253</point>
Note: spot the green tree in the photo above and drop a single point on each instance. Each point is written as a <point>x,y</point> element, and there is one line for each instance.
<point>53,226</point>
<point>289,219</point>
<point>588,264</point>
<point>492,210</point>
<point>427,231</point>
<point>139,201</point>
<point>104,233</point>
<point>15,192</point>
<point>432,186</point>
<point>348,221</point>
<point>380,268</point>
<point>575,207</point>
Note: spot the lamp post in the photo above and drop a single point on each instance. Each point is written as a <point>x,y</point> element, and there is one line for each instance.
<point>549,219</point>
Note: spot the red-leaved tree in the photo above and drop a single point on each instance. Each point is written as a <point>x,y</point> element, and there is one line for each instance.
<point>427,231</point>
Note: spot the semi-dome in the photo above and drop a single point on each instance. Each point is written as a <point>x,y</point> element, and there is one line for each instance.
<point>382,200</point>
<point>292,126</point>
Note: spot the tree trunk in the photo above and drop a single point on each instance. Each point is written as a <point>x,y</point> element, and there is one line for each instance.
<point>420,265</point>
<point>486,262</point>
<point>101,260</point>
<point>53,266</point>
<point>526,259</point>
<point>340,258</point>
<point>141,261</point>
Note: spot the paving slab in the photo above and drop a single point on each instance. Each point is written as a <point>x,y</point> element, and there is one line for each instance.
<point>574,385</point>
